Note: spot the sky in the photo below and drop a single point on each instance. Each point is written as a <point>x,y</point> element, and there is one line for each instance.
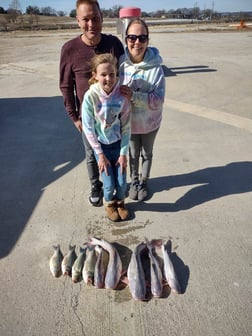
<point>146,6</point>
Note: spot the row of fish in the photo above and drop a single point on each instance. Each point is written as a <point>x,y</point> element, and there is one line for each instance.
<point>100,264</point>
<point>159,270</point>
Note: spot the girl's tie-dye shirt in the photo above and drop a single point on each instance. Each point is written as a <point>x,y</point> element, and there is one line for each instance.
<point>106,118</point>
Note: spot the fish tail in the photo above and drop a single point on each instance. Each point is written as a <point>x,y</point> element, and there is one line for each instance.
<point>56,247</point>
<point>157,242</point>
<point>82,249</point>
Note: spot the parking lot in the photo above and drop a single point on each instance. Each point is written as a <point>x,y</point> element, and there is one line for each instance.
<point>200,185</point>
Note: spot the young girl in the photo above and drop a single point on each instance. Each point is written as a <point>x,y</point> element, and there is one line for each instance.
<point>106,124</point>
<point>144,84</point>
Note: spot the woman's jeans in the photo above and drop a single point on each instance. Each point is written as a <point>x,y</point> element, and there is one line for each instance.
<point>141,145</point>
<point>115,184</point>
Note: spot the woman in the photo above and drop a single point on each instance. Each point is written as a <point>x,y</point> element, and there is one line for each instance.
<point>144,84</point>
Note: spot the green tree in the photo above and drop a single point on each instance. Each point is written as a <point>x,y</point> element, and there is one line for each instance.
<point>33,10</point>
<point>73,13</point>
<point>48,11</point>
<point>61,13</point>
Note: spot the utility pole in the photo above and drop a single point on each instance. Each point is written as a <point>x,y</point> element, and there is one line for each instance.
<point>212,9</point>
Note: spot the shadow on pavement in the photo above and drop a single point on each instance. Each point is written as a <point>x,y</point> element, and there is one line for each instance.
<point>211,183</point>
<point>169,72</point>
<point>38,145</point>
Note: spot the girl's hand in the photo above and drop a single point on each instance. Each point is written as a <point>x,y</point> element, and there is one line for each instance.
<point>103,163</point>
<point>122,161</point>
<point>78,125</point>
<point>126,91</point>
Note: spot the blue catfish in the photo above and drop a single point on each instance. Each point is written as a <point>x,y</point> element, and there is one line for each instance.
<point>136,275</point>
<point>114,269</point>
<point>169,271</point>
<point>155,271</point>
<point>100,267</point>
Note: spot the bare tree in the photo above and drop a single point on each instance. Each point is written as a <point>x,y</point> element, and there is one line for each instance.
<point>15,4</point>
<point>14,11</point>
<point>12,15</point>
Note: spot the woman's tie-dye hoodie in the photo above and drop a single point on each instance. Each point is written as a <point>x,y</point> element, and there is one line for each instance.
<point>147,81</point>
<point>106,118</point>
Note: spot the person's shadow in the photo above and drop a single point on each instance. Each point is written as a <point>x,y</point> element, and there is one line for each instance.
<point>208,184</point>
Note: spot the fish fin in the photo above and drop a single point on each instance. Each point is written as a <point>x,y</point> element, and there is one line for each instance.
<point>124,279</point>
<point>98,249</point>
<point>82,249</point>
<point>91,247</point>
<point>168,246</point>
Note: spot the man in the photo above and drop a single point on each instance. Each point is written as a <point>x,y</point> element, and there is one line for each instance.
<point>75,73</point>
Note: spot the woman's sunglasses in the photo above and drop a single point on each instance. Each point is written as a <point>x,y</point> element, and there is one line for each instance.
<point>133,38</point>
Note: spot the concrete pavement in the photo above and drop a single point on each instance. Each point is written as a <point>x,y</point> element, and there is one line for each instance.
<point>201,193</point>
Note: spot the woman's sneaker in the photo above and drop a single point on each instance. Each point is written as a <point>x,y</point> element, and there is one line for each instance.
<point>133,191</point>
<point>96,194</point>
<point>142,191</point>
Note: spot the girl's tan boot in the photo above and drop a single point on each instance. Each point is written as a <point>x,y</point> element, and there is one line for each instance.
<point>122,211</point>
<point>111,211</point>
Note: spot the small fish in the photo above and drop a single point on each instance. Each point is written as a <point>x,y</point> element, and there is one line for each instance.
<point>169,270</point>
<point>68,261</point>
<point>89,265</point>
<point>100,267</point>
<point>155,271</point>
<point>78,265</point>
<point>114,269</point>
<point>55,262</point>
<point>136,275</point>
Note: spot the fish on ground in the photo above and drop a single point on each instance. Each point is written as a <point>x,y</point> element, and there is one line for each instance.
<point>68,261</point>
<point>100,267</point>
<point>136,275</point>
<point>89,265</point>
<point>78,266</point>
<point>169,271</point>
<point>155,271</point>
<point>114,269</point>
<point>55,262</point>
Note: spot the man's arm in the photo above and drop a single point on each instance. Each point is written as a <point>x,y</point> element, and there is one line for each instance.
<point>67,85</point>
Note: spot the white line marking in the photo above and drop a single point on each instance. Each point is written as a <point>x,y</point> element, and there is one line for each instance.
<point>208,113</point>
